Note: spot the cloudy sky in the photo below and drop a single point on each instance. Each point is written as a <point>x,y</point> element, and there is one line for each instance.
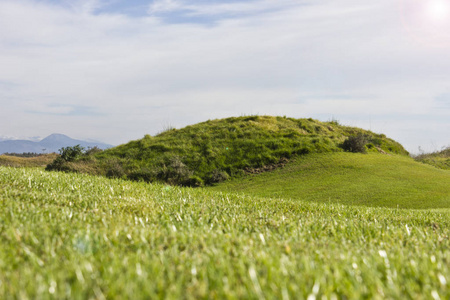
<point>115,70</point>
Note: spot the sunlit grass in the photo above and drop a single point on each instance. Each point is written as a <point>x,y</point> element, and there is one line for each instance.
<point>80,237</point>
<point>352,178</point>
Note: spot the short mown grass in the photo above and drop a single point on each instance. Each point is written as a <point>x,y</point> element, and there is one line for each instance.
<point>352,179</point>
<point>73,236</point>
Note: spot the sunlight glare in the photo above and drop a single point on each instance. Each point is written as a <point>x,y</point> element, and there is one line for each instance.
<point>427,21</point>
<point>439,10</point>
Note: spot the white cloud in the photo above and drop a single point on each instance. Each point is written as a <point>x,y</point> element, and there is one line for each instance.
<point>322,58</point>
<point>198,8</point>
<point>159,6</point>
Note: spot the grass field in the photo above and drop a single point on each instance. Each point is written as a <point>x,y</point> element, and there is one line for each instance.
<point>352,178</point>
<point>81,237</point>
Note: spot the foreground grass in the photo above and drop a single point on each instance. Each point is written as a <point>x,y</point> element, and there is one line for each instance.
<point>80,237</point>
<point>352,178</point>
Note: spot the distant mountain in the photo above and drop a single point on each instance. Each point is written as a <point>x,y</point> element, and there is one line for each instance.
<point>52,143</point>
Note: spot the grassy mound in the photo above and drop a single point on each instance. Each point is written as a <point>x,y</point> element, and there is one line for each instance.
<point>352,178</point>
<point>72,236</point>
<point>212,151</point>
<point>439,159</point>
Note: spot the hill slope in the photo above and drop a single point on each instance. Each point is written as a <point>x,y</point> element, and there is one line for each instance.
<point>82,237</point>
<point>439,159</point>
<point>212,151</point>
<point>352,178</point>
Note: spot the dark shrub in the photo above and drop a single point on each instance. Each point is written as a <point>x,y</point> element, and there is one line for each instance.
<point>144,174</point>
<point>217,176</point>
<point>370,146</point>
<point>193,181</point>
<point>93,150</point>
<point>71,153</point>
<point>174,171</point>
<point>67,154</point>
<point>59,164</point>
<point>115,170</point>
<point>356,143</point>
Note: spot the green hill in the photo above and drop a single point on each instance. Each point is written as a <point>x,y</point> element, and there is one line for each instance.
<point>213,151</point>
<point>305,157</point>
<point>351,178</point>
<point>73,236</point>
<point>439,159</point>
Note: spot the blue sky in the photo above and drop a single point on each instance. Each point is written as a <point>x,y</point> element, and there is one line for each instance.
<point>116,70</point>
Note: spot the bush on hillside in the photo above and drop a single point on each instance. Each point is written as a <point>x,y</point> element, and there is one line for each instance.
<point>356,143</point>
<point>115,169</point>
<point>71,153</point>
<point>93,150</point>
<point>193,181</point>
<point>59,164</point>
<point>143,174</point>
<point>174,171</point>
<point>217,176</point>
<point>67,155</point>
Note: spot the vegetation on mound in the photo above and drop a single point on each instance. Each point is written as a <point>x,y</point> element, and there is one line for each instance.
<point>212,151</point>
<point>352,179</point>
<point>72,236</point>
<point>439,159</point>
<point>26,160</point>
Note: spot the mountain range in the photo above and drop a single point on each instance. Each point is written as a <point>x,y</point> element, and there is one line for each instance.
<point>50,144</point>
